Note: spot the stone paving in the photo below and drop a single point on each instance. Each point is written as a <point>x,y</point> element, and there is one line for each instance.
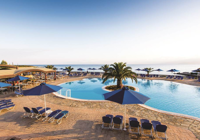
<point>81,124</point>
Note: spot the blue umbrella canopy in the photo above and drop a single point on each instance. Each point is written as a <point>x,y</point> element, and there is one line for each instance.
<point>41,90</point>
<point>4,85</point>
<point>106,69</point>
<point>93,68</point>
<point>89,68</point>
<point>66,69</point>
<point>144,70</point>
<point>158,70</point>
<point>80,69</point>
<point>18,78</point>
<point>138,69</point>
<point>126,96</point>
<point>197,70</point>
<point>173,70</point>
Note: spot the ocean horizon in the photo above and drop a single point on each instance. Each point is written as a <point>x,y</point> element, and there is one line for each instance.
<point>164,67</point>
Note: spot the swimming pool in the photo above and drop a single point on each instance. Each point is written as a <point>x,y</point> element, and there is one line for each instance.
<point>164,95</point>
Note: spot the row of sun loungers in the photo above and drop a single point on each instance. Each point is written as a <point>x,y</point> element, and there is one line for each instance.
<point>6,105</point>
<point>96,73</point>
<point>174,77</point>
<point>77,74</point>
<point>144,75</point>
<point>190,77</point>
<point>50,115</point>
<point>110,122</point>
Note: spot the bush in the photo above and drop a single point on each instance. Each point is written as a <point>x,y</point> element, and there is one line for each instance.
<point>114,87</point>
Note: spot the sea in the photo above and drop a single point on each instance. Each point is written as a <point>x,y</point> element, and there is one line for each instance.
<point>164,67</point>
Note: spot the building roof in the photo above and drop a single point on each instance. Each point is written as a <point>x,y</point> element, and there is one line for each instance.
<point>15,72</point>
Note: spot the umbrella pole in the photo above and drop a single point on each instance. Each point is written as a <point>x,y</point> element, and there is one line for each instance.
<point>125,120</point>
<point>45,104</point>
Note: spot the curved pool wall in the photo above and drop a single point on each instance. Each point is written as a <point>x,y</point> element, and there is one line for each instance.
<point>164,95</point>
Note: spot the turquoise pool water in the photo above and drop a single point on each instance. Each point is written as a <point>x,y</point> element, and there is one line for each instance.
<point>164,95</point>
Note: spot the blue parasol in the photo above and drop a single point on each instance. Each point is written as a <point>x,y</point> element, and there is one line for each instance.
<point>125,96</point>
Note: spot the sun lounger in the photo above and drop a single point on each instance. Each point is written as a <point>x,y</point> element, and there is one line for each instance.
<point>159,128</point>
<point>107,120</point>
<point>59,117</point>
<point>133,123</point>
<point>118,121</point>
<point>6,104</point>
<point>7,107</point>
<point>18,93</point>
<point>5,101</point>
<point>52,114</point>
<point>30,113</point>
<point>39,113</point>
<point>85,74</point>
<point>145,125</point>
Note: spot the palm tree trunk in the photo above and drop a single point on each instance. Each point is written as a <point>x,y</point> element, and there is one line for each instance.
<point>119,83</point>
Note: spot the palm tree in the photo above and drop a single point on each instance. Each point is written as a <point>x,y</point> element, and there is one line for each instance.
<point>105,68</point>
<point>120,72</point>
<point>50,66</point>
<point>54,68</point>
<point>148,70</point>
<point>69,69</point>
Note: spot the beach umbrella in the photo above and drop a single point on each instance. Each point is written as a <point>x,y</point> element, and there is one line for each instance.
<point>18,78</point>
<point>125,96</point>
<point>138,70</point>
<point>94,69</point>
<point>61,68</point>
<point>144,70</point>
<point>89,68</point>
<point>197,70</point>
<point>66,69</point>
<point>4,85</point>
<point>158,70</point>
<point>173,70</point>
<point>100,68</point>
<point>42,89</point>
<point>80,69</point>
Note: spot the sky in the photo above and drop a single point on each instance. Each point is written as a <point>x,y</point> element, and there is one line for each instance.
<point>100,31</point>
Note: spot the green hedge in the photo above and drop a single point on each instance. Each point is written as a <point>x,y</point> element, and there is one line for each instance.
<point>114,87</point>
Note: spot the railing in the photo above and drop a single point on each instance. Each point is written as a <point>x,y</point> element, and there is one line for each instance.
<point>66,94</point>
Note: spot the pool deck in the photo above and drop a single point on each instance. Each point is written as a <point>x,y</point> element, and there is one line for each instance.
<point>81,124</point>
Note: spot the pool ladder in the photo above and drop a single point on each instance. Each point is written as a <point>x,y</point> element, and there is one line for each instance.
<point>67,94</point>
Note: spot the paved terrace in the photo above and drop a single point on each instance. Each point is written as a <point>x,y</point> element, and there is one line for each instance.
<point>82,123</point>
